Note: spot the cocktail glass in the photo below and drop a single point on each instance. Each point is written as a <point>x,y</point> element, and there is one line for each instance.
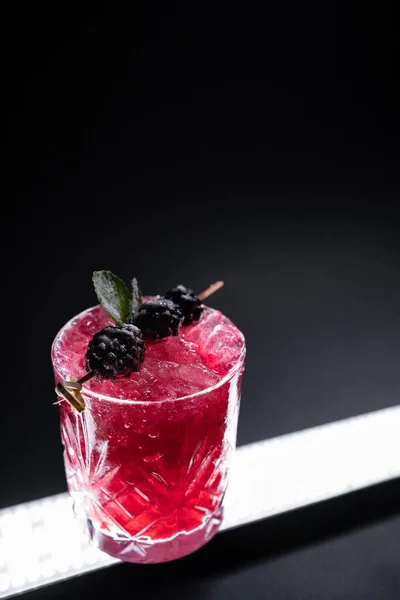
<point>147,468</point>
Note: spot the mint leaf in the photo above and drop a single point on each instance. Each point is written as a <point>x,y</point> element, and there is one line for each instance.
<point>113,294</point>
<point>136,298</point>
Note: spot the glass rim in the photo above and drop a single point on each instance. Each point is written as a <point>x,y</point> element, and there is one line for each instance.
<point>104,397</point>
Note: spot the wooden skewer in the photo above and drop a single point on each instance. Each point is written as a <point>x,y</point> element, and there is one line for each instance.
<point>71,391</point>
<point>214,287</point>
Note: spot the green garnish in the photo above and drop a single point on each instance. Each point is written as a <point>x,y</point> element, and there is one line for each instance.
<point>136,297</point>
<point>113,295</point>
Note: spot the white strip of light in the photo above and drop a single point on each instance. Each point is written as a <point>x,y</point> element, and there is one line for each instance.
<point>40,542</point>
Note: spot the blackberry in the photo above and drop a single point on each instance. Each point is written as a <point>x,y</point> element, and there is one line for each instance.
<point>158,319</point>
<point>188,302</point>
<point>115,351</point>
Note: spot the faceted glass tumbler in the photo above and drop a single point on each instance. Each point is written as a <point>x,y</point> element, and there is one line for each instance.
<point>148,478</point>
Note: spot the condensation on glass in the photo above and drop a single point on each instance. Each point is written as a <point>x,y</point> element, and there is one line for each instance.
<point>148,478</point>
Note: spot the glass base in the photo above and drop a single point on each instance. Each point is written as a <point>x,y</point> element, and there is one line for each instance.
<point>143,550</point>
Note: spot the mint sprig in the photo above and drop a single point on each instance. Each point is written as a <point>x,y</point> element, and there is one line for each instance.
<point>136,297</point>
<point>113,295</point>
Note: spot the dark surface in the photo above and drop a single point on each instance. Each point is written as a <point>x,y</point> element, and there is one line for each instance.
<point>183,145</point>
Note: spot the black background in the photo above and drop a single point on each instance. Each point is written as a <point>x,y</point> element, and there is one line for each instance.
<point>192,142</point>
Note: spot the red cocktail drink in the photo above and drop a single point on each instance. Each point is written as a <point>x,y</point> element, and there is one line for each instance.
<point>147,460</point>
